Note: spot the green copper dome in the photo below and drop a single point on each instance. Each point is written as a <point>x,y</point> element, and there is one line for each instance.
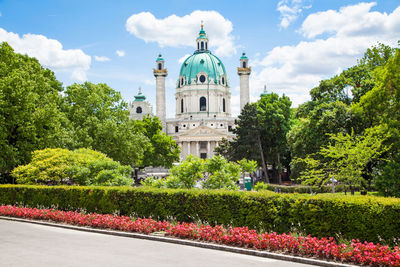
<point>140,97</point>
<point>203,61</point>
<point>159,58</point>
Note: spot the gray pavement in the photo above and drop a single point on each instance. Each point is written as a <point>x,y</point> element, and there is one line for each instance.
<point>25,244</point>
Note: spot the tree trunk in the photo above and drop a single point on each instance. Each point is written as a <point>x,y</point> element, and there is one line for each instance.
<point>279,169</point>
<point>262,158</point>
<point>352,190</point>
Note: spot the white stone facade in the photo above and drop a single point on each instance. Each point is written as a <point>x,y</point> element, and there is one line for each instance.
<point>140,107</point>
<point>138,110</point>
<point>203,101</point>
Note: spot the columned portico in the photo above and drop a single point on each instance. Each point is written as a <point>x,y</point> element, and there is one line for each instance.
<point>200,142</point>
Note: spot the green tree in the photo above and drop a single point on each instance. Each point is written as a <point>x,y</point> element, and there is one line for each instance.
<point>30,118</point>
<point>388,179</point>
<point>349,86</point>
<point>248,166</point>
<point>247,143</point>
<point>78,167</point>
<point>344,159</point>
<point>162,150</point>
<point>187,173</point>
<point>100,120</point>
<point>274,116</point>
<point>381,105</point>
<point>308,134</point>
<point>221,173</point>
<point>261,127</point>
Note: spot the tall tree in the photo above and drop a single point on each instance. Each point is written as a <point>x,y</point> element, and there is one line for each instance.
<point>163,150</point>
<point>344,159</point>
<point>310,132</point>
<point>248,141</point>
<point>30,118</point>
<point>274,116</point>
<point>349,86</point>
<point>100,120</point>
<point>261,130</point>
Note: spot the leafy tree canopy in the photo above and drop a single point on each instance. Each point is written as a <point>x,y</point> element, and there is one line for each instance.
<point>30,117</point>
<point>163,150</point>
<point>344,159</point>
<point>78,167</point>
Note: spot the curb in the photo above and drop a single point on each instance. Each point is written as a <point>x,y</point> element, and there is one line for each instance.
<point>244,251</point>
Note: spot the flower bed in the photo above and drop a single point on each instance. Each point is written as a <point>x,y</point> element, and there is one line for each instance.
<point>322,248</point>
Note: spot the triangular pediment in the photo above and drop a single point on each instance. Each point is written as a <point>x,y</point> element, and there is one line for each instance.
<point>203,131</point>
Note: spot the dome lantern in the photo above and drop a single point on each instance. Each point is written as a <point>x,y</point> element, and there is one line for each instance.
<point>140,97</point>
<point>202,40</point>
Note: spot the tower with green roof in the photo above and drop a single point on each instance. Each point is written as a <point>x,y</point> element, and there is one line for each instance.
<point>244,74</point>
<point>139,107</point>
<point>160,72</point>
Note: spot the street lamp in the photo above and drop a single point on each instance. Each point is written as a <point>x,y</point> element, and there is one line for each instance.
<point>333,181</point>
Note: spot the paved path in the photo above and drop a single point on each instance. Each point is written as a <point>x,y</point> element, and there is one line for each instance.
<point>25,244</point>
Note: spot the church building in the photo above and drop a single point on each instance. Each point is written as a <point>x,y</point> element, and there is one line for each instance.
<point>203,100</point>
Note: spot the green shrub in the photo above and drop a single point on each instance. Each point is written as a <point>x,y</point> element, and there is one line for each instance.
<point>388,181</point>
<point>219,173</point>
<point>81,167</point>
<point>302,189</point>
<point>365,217</point>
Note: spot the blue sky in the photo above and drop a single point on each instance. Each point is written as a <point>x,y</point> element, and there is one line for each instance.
<point>291,44</point>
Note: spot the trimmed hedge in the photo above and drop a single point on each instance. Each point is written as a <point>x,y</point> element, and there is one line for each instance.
<point>303,189</point>
<point>359,217</point>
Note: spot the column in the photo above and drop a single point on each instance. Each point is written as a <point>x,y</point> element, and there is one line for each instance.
<point>188,148</point>
<point>197,149</point>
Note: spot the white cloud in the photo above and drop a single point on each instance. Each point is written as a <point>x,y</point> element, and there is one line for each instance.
<point>120,53</point>
<point>101,58</point>
<point>50,53</point>
<point>290,11</point>
<point>178,31</point>
<point>294,70</point>
<point>182,59</point>
<point>349,21</point>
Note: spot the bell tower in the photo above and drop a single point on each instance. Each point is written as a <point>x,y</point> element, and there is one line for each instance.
<point>160,73</point>
<point>244,72</point>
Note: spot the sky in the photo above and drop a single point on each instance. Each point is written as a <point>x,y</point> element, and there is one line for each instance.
<point>291,44</point>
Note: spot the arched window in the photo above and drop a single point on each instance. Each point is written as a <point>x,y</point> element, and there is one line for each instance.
<point>244,64</point>
<point>182,81</point>
<point>159,66</point>
<point>223,80</point>
<point>198,46</point>
<point>203,104</point>
<point>206,46</point>
<point>223,104</point>
<point>202,45</point>
<point>138,110</point>
<point>181,105</point>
